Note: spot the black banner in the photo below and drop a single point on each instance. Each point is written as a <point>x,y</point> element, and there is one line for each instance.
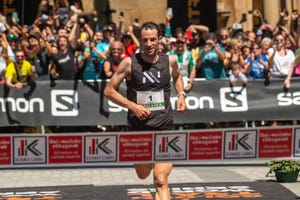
<point>77,103</point>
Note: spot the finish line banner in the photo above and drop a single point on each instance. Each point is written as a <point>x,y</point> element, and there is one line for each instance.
<point>117,148</point>
<point>69,103</point>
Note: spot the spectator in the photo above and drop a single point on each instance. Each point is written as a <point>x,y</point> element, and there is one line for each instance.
<point>237,74</point>
<point>266,43</point>
<point>19,72</point>
<point>210,61</point>
<point>186,64</point>
<point>233,54</point>
<point>38,56</point>
<point>6,54</point>
<point>64,66</point>
<point>281,61</point>
<point>114,59</point>
<point>130,42</point>
<point>257,65</point>
<point>87,64</point>
<point>199,34</point>
<point>162,47</point>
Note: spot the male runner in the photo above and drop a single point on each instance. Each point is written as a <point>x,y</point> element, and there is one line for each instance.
<point>148,75</point>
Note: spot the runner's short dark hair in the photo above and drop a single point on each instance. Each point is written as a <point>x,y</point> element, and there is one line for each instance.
<point>151,25</point>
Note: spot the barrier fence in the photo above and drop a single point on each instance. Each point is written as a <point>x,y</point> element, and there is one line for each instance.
<point>117,148</point>
<point>72,103</point>
<point>79,104</point>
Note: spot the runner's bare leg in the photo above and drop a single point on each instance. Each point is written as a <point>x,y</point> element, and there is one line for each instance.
<point>161,173</point>
<point>143,170</point>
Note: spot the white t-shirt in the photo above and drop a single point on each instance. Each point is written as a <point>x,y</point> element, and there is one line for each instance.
<point>281,64</point>
<point>3,63</point>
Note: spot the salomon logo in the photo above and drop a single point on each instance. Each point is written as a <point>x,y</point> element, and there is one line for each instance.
<point>234,99</point>
<point>64,103</point>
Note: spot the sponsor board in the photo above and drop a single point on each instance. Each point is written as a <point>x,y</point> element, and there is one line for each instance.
<point>65,149</point>
<point>170,146</point>
<point>135,147</point>
<point>29,150</point>
<point>233,99</point>
<point>205,145</point>
<point>5,150</point>
<point>275,142</point>
<point>100,148</point>
<point>240,144</point>
<point>64,103</point>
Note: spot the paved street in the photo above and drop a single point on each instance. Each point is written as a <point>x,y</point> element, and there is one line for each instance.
<point>125,175</point>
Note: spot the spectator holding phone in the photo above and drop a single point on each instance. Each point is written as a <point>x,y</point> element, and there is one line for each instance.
<point>210,61</point>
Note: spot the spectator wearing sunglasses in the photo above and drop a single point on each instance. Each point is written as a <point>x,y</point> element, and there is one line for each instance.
<point>281,61</point>
<point>20,72</point>
<point>114,59</point>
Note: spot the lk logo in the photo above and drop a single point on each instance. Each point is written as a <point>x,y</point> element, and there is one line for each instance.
<point>64,103</point>
<point>236,142</point>
<point>240,144</point>
<point>24,148</point>
<point>96,145</point>
<point>172,144</point>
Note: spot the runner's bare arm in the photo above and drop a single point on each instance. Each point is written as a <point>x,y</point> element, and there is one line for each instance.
<point>178,83</point>
<point>112,94</point>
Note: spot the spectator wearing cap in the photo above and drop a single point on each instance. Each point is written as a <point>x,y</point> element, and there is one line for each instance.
<point>186,63</point>
<point>131,43</point>
<point>210,60</point>
<point>13,42</point>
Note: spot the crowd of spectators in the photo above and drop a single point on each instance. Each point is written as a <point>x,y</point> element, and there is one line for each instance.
<point>66,43</point>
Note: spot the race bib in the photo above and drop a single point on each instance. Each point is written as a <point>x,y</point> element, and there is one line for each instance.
<point>153,100</point>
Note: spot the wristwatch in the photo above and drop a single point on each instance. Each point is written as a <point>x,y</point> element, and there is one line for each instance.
<point>181,93</point>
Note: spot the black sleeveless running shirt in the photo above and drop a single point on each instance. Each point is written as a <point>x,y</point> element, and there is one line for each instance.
<point>151,83</point>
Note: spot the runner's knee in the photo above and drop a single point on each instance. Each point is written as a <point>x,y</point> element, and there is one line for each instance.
<point>161,180</point>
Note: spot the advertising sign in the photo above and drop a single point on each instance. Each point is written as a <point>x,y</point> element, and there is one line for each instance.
<point>5,150</point>
<point>29,150</point>
<point>65,149</point>
<point>170,146</point>
<point>205,145</point>
<point>275,142</point>
<point>135,147</point>
<point>240,144</point>
<point>100,148</point>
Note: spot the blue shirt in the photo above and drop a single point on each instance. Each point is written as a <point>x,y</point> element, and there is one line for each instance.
<point>257,69</point>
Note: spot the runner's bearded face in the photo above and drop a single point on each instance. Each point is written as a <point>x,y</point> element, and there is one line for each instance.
<point>150,42</point>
